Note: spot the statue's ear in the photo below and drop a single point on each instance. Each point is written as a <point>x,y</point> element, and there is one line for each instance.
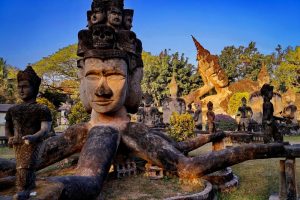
<point>80,73</point>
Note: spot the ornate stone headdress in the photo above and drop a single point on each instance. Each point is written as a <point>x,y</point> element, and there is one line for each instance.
<point>103,41</point>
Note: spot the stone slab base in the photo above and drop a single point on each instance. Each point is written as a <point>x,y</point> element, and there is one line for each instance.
<point>207,194</point>
<point>223,180</point>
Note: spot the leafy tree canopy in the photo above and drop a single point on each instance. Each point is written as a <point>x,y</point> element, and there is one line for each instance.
<point>288,72</point>
<point>158,72</point>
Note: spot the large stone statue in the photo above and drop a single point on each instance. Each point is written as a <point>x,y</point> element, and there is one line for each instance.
<point>269,120</point>
<point>245,113</point>
<point>214,78</point>
<point>27,124</point>
<point>110,73</point>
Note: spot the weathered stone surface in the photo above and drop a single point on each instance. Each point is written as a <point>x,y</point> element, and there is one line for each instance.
<point>206,194</point>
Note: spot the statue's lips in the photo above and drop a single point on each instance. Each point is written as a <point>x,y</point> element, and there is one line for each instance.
<point>102,102</point>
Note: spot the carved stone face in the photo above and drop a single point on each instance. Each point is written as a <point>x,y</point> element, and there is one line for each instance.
<point>114,17</point>
<point>103,36</point>
<point>98,17</point>
<point>127,41</point>
<point>25,90</point>
<point>127,22</point>
<point>104,84</point>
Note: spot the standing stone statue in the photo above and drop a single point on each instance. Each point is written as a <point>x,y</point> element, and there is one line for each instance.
<point>27,124</point>
<point>198,116</point>
<point>210,118</point>
<point>245,113</point>
<point>190,110</point>
<point>268,120</point>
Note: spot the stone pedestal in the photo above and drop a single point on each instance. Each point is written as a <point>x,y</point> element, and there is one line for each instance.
<point>207,194</point>
<point>288,186</point>
<point>223,180</point>
<point>154,172</point>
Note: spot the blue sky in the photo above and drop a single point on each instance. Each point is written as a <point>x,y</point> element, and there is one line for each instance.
<point>32,29</point>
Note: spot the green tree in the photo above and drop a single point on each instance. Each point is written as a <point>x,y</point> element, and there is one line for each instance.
<point>58,67</point>
<point>235,102</point>
<point>51,107</point>
<point>288,72</point>
<point>59,75</point>
<point>242,62</point>
<point>158,72</point>
<point>8,83</point>
<point>181,126</point>
<point>78,114</point>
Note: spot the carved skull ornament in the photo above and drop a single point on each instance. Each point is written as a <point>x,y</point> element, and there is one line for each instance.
<point>103,37</point>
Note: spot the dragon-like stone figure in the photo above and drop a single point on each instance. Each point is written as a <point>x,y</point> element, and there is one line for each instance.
<point>213,76</point>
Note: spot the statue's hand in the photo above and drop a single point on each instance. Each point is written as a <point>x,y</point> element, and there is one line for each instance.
<point>30,139</point>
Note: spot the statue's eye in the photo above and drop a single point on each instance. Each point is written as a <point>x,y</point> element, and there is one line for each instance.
<point>93,76</point>
<point>113,77</point>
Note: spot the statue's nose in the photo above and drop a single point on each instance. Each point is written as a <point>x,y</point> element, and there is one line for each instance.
<point>103,89</point>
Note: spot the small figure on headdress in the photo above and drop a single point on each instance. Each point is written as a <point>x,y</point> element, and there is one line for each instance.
<point>127,19</point>
<point>268,120</point>
<point>245,113</point>
<point>114,17</point>
<point>97,15</point>
<point>210,118</point>
<point>27,124</point>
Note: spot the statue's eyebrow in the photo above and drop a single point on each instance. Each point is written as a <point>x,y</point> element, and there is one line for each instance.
<point>93,71</point>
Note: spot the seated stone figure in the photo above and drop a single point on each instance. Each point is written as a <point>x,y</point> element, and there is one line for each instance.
<point>245,113</point>
<point>269,120</point>
<point>27,124</point>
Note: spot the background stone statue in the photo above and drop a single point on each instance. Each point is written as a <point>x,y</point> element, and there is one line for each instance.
<point>210,118</point>
<point>198,116</point>
<point>27,124</point>
<point>268,120</point>
<point>245,113</point>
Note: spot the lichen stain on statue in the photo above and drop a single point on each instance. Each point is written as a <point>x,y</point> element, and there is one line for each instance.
<point>27,125</point>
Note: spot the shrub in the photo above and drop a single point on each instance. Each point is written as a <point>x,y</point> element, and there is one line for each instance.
<point>181,126</point>
<point>225,123</point>
<point>235,102</point>
<point>52,108</point>
<point>78,114</point>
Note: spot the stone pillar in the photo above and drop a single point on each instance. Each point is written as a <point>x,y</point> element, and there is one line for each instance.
<point>290,179</point>
<point>282,186</point>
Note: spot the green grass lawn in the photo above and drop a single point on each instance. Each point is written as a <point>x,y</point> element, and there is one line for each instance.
<point>258,180</point>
